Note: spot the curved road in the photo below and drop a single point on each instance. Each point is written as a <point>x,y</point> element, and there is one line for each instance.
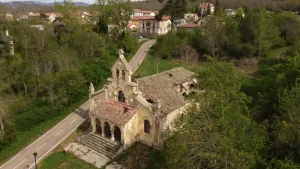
<point>140,55</point>
<point>47,142</point>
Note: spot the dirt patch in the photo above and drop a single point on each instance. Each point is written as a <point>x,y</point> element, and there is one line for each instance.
<point>72,138</point>
<point>247,65</point>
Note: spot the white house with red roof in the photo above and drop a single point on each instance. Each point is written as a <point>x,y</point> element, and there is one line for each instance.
<point>139,12</point>
<point>205,6</point>
<point>128,110</point>
<point>149,25</point>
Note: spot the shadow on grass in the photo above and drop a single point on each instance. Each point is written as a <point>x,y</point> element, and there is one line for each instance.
<point>140,156</point>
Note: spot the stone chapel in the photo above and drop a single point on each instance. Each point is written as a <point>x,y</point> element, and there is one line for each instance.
<point>128,110</point>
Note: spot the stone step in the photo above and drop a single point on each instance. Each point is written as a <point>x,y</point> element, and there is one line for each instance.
<point>104,139</point>
<point>101,145</point>
<point>100,150</point>
<point>96,139</point>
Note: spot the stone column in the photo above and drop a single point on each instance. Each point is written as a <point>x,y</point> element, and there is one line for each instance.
<point>112,129</point>
<point>93,123</point>
<point>102,128</point>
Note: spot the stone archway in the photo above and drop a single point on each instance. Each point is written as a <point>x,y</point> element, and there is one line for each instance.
<point>117,134</point>
<point>107,131</point>
<point>98,127</point>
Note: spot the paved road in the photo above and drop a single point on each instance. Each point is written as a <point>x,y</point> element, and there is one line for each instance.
<point>47,142</point>
<point>140,55</point>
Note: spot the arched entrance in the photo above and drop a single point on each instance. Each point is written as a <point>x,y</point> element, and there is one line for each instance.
<point>98,127</point>
<point>107,131</point>
<point>121,97</point>
<point>117,134</point>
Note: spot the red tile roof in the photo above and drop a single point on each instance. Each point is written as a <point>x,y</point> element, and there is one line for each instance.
<point>189,25</point>
<point>206,5</point>
<point>137,10</point>
<point>136,18</point>
<point>146,11</point>
<point>115,112</point>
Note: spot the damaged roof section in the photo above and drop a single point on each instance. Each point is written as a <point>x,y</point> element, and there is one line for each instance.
<point>116,112</point>
<point>160,88</point>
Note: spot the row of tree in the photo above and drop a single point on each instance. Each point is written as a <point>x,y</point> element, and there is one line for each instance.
<point>51,69</point>
<point>252,34</point>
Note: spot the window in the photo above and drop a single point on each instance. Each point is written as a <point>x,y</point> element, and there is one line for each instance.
<point>121,97</point>
<point>146,126</point>
<point>117,73</point>
<point>123,74</point>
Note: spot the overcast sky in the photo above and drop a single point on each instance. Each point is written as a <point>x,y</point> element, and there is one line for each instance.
<point>49,1</point>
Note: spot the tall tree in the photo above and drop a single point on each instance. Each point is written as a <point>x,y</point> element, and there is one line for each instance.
<point>174,8</point>
<point>266,33</point>
<point>218,9</point>
<point>220,133</point>
<point>114,13</point>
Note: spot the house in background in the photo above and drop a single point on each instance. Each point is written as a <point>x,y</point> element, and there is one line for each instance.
<point>131,26</point>
<point>188,27</point>
<point>150,26</point>
<point>203,7</point>
<point>203,21</point>
<point>136,12</point>
<point>139,12</point>
<point>148,13</point>
<point>230,12</point>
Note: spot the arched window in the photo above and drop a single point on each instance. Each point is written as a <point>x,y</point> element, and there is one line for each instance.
<point>121,97</point>
<point>146,126</point>
<point>117,73</point>
<point>123,74</point>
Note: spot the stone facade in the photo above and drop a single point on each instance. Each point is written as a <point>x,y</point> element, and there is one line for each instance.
<point>128,110</point>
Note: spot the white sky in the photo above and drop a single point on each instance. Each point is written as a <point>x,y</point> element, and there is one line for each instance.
<point>49,1</point>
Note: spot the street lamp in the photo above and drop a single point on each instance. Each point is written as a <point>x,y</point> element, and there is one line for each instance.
<point>35,154</point>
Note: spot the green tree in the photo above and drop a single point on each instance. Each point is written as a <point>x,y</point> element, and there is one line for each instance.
<point>209,9</point>
<point>220,133</point>
<point>218,9</point>
<point>128,42</point>
<point>115,14</point>
<point>173,8</point>
<point>266,34</point>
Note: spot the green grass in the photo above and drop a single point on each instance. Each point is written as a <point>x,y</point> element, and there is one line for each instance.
<point>152,65</point>
<point>27,137</point>
<point>59,160</point>
<point>273,57</point>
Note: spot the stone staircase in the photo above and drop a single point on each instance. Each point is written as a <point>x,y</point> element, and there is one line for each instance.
<point>101,145</point>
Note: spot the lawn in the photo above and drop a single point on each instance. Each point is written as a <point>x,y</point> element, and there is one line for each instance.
<point>152,65</point>
<point>273,57</point>
<point>60,160</point>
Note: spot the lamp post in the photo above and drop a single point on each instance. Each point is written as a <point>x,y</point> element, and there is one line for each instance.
<point>35,154</point>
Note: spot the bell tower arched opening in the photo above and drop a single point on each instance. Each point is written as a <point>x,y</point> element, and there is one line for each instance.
<point>121,96</point>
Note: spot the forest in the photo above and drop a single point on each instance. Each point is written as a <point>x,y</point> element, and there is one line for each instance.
<point>52,68</point>
<point>242,123</point>
<point>239,120</point>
